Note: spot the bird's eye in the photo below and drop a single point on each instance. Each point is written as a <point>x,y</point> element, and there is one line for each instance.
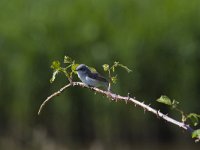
<point>81,69</point>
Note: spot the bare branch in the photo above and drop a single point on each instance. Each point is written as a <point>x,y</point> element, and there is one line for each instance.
<point>117,97</point>
<point>51,96</point>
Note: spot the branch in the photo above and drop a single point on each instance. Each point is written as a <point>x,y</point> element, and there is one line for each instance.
<point>51,96</point>
<point>116,97</point>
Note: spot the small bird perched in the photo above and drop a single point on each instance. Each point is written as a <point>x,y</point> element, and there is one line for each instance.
<point>90,78</point>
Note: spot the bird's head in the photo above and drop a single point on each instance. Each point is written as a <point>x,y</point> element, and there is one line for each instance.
<point>82,68</point>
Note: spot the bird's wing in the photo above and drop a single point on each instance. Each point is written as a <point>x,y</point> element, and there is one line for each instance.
<point>98,77</point>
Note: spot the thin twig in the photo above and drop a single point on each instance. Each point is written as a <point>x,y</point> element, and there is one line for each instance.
<point>116,97</point>
<point>51,96</point>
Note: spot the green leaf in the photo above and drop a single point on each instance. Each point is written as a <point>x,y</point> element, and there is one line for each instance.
<point>114,79</point>
<point>116,63</point>
<point>113,68</point>
<point>125,67</point>
<point>54,76</point>
<point>68,60</point>
<point>73,68</point>
<point>92,69</point>
<point>105,67</point>
<point>196,133</point>
<point>164,100</point>
<point>55,65</point>
<point>194,118</point>
<point>183,117</point>
<point>174,104</point>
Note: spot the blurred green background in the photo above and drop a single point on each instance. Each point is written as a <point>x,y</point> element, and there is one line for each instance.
<point>158,40</point>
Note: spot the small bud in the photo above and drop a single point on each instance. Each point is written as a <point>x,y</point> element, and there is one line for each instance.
<point>67,60</point>
<point>105,67</point>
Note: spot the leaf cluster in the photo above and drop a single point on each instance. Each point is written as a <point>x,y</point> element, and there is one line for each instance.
<point>191,117</point>
<point>111,69</point>
<point>71,66</point>
<point>69,70</point>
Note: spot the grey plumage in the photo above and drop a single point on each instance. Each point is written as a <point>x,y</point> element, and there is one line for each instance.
<point>90,78</point>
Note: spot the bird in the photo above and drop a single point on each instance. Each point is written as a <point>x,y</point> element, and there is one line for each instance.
<point>90,78</point>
